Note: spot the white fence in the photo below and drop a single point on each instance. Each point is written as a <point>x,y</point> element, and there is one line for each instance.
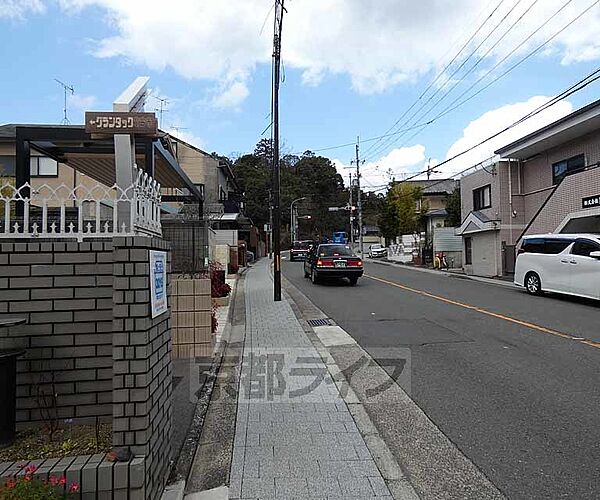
<point>82,211</point>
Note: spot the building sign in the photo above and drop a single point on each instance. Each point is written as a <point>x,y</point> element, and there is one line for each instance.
<point>100,122</point>
<point>591,201</point>
<point>158,282</point>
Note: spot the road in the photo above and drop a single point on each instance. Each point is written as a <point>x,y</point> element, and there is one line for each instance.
<point>512,380</point>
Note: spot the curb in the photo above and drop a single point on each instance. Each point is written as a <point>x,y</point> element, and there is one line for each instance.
<point>393,475</point>
<point>462,480</point>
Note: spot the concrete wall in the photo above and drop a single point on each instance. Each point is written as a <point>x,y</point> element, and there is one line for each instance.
<point>64,291</point>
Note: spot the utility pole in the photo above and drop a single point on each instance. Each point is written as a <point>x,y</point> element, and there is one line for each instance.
<point>351,212</point>
<point>358,198</point>
<point>276,179</point>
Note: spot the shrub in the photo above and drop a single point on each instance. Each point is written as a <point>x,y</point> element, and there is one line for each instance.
<point>217,280</point>
<point>29,488</point>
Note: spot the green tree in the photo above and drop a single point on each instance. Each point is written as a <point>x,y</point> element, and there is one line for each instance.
<point>453,207</point>
<point>403,210</point>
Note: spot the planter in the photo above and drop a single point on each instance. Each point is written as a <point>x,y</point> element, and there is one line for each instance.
<point>221,301</point>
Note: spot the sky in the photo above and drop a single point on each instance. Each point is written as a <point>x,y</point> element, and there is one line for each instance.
<point>351,69</point>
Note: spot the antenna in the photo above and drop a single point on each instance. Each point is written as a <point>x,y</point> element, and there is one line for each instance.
<point>177,129</point>
<point>164,102</point>
<point>66,90</point>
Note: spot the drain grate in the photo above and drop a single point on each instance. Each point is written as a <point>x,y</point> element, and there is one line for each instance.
<point>319,322</point>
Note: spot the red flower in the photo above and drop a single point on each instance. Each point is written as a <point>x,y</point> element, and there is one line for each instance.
<point>53,480</point>
<point>74,488</point>
<point>27,478</point>
<point>30,469</point>
<point>11,483</point>
<point>62,481</point>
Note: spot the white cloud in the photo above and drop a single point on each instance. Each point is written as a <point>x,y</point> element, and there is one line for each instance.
<point>377,44</point>
<point>492,122</point>
<point>232,96</point>
<point>18,9</point>
<point>407,160</point>
<point>188,137</point>
<point>395,164</point>
<point>83,102</point>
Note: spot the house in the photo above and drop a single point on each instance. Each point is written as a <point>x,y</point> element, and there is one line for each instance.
<point>70,168</point>
<point>545,182</point>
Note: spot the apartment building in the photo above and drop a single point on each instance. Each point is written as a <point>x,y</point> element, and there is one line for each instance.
<point>547,181</point>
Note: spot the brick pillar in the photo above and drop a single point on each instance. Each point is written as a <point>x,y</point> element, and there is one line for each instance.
<point>142,388</point>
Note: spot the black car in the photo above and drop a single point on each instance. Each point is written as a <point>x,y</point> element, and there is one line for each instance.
<point>332,261</point>
<point>300,249</point>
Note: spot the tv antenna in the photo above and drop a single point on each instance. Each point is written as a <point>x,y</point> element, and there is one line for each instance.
<point>177,129</point>
<point>66,89</point>
<point>164,102</point>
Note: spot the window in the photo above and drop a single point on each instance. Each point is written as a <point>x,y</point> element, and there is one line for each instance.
<point>482,197</point>
<point>334,250</point>
<point>554,247</point>
<point>585,248</point>
<point>548,246</point>
<point>7,165</point>
<point>562,168</point>
<point>41,166</point>
<point>468,251</point>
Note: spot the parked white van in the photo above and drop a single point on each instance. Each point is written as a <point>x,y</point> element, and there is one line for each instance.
<point>561,263</point>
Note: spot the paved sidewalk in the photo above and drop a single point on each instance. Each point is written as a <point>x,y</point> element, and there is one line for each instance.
<point>295,437</point>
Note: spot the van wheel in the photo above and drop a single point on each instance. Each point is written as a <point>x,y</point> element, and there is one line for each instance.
<point>533,284</point>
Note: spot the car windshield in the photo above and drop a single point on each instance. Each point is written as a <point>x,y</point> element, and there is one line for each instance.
<point>334,250</point>
<point>302,245</point>
<point>376,246</point>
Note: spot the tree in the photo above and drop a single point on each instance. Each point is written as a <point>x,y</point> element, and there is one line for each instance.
<point>453,207</point>
<point>310,176</point>
<point>403,211</point>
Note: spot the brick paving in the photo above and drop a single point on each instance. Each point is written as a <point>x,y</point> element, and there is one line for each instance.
<point>295,437</point>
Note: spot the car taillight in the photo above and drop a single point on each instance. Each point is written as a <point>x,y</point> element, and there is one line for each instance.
<point>324,263</point>
<point>355,263</point>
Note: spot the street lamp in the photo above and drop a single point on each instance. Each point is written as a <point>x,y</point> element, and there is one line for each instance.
<point>293,219</point>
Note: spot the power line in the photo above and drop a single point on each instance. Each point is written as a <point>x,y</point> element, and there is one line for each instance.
<point>580,85</point>
<point>462,78</point>
<point>449,108</point>
<point>443,71</point>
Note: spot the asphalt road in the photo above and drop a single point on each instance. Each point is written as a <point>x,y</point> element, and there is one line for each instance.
<point>512,380</point>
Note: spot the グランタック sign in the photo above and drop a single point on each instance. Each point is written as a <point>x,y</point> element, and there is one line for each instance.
<point>109,122</point>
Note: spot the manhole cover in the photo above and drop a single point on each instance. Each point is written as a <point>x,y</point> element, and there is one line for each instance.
<point>319,322</point>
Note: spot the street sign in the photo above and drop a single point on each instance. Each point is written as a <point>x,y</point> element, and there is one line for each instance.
<point>590,202</point>
<point>111,122</point>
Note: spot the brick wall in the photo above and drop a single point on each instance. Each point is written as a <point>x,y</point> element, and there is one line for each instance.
<point>64,291</point>
<point>142,409</point>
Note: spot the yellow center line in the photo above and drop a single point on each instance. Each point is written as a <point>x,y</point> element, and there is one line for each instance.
<point>480,310</point>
